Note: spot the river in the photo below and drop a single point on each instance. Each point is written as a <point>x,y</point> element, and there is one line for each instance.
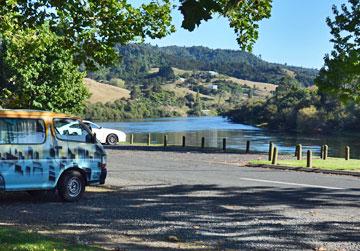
<point>214,129</point>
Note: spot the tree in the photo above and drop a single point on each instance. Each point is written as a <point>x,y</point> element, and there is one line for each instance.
<point>91,28</point>
<point>135,92</point>
<point>243,16</point>
<point>38,74</point>
<point>340,75</point>
<point>166,72</point>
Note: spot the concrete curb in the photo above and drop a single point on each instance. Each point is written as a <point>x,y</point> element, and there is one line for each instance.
<point>306,169</point>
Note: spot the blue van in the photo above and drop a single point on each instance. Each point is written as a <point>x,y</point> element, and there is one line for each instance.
<point>42,151</point>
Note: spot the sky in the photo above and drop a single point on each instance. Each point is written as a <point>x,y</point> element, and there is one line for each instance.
<point>295,34</point>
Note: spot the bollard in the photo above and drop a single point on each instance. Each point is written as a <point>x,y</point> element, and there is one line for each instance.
<point>224,144</point>
<point>148,139</point>
<point>347,152</point>
<point>322,152</point>
<point>275,156</point>
<point>296,150</point>
<point>183,141</point>
<point>271,150</point>
<point>165,140</point>
<point>309,159</point>
<point>247,146</point>
<point>131,139</point>
<point>299,152</point>
<point>203,142</point>
<point>326,152</point>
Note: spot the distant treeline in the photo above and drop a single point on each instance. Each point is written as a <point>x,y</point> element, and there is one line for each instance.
<point>294,108</point>
<point>137,60</point>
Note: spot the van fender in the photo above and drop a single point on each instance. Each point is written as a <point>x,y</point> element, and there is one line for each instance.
<point>73,168</point>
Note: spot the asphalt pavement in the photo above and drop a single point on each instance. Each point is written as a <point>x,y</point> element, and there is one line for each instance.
<point>168,200</point>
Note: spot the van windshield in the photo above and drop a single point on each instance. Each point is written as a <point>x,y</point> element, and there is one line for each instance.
<point>21,131</point>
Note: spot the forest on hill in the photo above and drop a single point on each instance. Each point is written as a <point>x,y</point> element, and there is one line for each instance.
<point>138,59</point>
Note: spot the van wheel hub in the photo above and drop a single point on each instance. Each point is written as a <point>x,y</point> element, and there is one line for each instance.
<point>74,187</point>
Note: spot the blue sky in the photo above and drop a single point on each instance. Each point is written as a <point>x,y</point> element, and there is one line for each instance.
<point>295,34</point>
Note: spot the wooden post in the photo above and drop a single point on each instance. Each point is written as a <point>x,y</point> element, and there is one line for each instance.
<point>271,150</point>
<point>203,142</point>
<point>347,152</point>
<point>309,159</point>
<point>224,144</point>
<point>296,150</point>
<point>326,152</point>
<point>183,141</point>
<point>131,139</point>
<point>165,140</point>
<point>322,152</point>
<point>247,146</point>
<point>275,156</point>
<point>148,139</point>
<point>299,152</point>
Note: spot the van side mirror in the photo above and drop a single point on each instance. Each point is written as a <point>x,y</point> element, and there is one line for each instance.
<point>94,140</point>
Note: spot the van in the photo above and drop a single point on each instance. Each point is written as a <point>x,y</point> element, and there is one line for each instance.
<point>42,151</point>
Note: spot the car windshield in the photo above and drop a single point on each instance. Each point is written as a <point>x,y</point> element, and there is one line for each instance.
<point>92,125</point>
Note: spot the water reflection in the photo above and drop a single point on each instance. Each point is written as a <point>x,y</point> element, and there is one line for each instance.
<point>214,129</point>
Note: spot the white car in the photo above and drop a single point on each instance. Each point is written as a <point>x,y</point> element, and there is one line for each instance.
<point>106,135</point>
<point>69,129</point>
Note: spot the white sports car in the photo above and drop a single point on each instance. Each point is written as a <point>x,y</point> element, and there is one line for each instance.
<point>105,135</point>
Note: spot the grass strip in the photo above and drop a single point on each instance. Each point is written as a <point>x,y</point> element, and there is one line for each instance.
<point>19,240</point>
<point>329,164</point>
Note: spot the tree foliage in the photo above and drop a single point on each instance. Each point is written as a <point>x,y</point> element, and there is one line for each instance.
<point>91,28</point>
<point>38,74</point>
<point>299,109</point>
<point>340,75</point>
<point>243,16</point>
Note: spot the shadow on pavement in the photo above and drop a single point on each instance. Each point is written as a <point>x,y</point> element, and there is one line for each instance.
<point>200,216</point>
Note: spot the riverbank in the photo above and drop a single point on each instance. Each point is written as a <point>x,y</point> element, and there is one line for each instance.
<point>215,129</point>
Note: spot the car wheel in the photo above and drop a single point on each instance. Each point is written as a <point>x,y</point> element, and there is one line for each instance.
<point>112,139</point>
<point>71,186</point>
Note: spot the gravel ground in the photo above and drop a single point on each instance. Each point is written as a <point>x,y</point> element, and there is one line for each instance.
<point>157,200</point>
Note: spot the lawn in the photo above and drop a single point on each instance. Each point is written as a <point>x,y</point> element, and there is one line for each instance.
<point>329,164</point>
<point>13,239</point>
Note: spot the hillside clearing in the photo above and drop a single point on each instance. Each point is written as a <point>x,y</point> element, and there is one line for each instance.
<point>182,91</point>
<point>105,93</point>
<point>257,85</point>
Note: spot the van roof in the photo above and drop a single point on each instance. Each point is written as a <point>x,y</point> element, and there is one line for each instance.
<point>30,113</point>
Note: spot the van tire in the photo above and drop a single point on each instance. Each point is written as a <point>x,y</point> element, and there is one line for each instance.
<point>71,186</point>
<point>112,139</point>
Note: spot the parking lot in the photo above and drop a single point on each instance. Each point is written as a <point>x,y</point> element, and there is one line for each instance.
<point>182,200</point>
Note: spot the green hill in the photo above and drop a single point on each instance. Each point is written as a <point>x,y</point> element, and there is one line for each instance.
<point>137,60</point>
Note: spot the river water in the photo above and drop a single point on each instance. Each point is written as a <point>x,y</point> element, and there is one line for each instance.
<point>214,129</point>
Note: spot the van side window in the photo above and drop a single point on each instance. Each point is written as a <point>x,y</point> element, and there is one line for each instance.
<point>72,130</point>
<point>21,131</point>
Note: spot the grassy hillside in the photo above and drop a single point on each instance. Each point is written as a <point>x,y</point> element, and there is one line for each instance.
<point>104,92</point>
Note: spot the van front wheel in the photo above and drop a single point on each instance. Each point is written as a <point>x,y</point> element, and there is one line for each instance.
<point>71,186</point>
